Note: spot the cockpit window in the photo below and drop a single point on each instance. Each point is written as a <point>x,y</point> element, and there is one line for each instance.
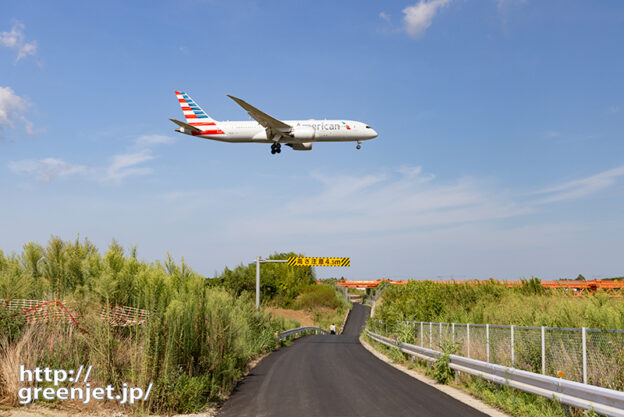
<point>368,127</point>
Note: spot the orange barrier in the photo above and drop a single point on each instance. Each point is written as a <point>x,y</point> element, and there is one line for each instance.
<point>40,311</point>
<point>572,288</point>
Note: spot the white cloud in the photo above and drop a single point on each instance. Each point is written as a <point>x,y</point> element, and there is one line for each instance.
<point>384,203</point>
<point>16,40</point>
<point>154,140</point>
<point>124,165</point>
<point>45,170</point>
<point>614,109</point>
<point>384,16</point>
<point>402,201</point>
<point>582,187</point>
<point>12,109</point>
<point>420,16</point>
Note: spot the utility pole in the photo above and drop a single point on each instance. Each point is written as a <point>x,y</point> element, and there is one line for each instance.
<point>259,261</point>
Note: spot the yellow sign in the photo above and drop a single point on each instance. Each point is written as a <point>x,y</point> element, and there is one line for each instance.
<point>316,261</point>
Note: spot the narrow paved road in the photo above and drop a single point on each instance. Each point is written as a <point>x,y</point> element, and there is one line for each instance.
<point>336,376</point>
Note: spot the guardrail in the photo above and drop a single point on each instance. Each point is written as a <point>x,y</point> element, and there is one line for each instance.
<point>293,332</point>
<point>342,326</point>
<point>601,400</point>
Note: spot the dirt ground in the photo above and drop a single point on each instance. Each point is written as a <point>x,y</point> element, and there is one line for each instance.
<point>39,411</point>
<point>302,316</point>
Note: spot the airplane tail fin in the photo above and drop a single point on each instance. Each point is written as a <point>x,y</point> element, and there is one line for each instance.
<point>194,114</point>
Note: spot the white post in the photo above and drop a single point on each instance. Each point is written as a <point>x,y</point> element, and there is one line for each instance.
<point>512,345</point>
<point>584,334</point>
<point>453,333</point>
<point>487,343</point>
<point>468,339</point>
<point>543,350</point>
<point>440,341</point>
<point>257,283</point>
<point>430,335</point>
<point>422,334</point>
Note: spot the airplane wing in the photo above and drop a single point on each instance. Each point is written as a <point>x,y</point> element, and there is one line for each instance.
<point>275,128</point>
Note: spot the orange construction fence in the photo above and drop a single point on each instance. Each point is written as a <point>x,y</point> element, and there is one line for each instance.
<point>40,311</point>
<point>573,288</point>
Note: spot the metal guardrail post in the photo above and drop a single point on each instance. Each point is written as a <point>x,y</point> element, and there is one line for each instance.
<point>512,346</point>
<point>487,343</point>
<point>422,335</point>
<point>584,337</point>
<point>543,350</point>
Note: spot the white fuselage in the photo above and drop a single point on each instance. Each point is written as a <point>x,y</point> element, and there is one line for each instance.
<point>304,131</point>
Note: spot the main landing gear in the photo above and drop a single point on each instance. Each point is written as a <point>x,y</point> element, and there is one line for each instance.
<point>276,148</point>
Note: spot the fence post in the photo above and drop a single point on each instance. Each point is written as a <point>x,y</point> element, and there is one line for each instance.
<point>512,345</point>
<point>584,334</point>
<point>487,343</point>
<point>453,333</point>
<point>430,335</point>
<point>468,339</point>
<point>440,341</point>
<point>543,350</point>
<point>422,335</point>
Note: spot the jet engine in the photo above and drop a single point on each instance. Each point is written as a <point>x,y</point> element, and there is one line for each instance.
<point>303,146</point>
<point>303,133</point>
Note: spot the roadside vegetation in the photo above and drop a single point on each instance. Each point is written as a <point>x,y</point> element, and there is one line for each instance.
<point>494,303</point>
<point>512,401</point>
<point>197,343</point>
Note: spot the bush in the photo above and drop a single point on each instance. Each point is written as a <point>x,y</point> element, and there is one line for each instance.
<point>316,296</point>
<point>442,371</point>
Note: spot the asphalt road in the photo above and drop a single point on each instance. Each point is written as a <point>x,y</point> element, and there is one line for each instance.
<point>336,376</point>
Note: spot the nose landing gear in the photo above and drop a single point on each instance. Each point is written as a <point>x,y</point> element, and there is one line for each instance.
<point>358,145</point>
<point>276,148</point>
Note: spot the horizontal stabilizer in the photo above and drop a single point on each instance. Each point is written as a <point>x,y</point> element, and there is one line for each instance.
<point>186,126</point>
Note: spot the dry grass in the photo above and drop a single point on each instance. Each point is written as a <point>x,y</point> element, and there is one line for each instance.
<point>11,357</point>
<point>305,318</point>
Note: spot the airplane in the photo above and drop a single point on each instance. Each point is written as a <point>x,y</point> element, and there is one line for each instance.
<point>297,134</point>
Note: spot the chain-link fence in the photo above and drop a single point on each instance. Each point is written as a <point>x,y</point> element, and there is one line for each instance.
<point>591,356</point>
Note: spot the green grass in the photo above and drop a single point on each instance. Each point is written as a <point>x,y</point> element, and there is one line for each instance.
<point>497,304</point>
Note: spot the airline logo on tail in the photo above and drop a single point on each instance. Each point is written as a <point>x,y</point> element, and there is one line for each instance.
<point>195,116</point>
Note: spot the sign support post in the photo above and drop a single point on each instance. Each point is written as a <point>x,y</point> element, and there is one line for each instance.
<point>259,261</point>
<point>296,261</point>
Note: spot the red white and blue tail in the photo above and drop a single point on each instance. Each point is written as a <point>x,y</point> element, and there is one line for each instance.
<point>194,114</point>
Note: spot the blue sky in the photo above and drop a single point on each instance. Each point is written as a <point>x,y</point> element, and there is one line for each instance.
<point>500,149</point>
